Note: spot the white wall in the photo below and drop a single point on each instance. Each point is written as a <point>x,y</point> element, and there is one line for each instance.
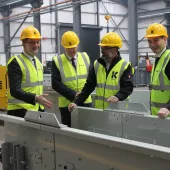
<point>88,16</point>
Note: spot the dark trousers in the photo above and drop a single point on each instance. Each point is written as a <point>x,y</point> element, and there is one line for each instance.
<point>66,115</point>
<point>19,112</point>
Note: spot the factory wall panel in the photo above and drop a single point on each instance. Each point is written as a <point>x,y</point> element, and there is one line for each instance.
<point>48,30</point>
<point>113,8</point>
<point>21,10</point>
<point>64,16</point>
<point>2,59</point>
<point>15,25</point>
<point>152,5</point>
<point>16,50</point>
<point>48,46</point>
<point>2,29</point>
<point>89,17</point>
<point>1,45</point>
<point>48,18</point>
<point>125,56</point>
<point>89,7</point>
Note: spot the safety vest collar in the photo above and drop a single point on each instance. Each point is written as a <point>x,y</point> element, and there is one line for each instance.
<point>110,87</point>
<point>162,86</point>
<point>27,82</point>
<point>66,79</point>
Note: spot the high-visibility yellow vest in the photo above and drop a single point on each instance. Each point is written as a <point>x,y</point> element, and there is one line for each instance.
<point>110,85</point>
<point>73,79</point>
<point>32,81</point>
<point>160,84</point>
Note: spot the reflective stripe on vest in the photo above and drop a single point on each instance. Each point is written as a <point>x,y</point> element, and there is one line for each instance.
<point>159,105</point>
<point>14,103</point>
<point>102,98</point>
<point>66,79</point>
<point>111,87</point>
<point>96,67</point>
<point>73,79</point>
<point>162,86</point>
<point>107,87</point>
<point>27,83</point>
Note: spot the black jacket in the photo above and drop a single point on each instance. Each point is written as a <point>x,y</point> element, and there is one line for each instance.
<point>58,86</point>
<point>15,79</point>
<point>126,82</point>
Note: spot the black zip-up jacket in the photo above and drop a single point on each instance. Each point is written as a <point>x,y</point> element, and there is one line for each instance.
<point>126,82</point>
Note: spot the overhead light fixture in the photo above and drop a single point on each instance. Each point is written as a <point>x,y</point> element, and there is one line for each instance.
<point>14,2</point>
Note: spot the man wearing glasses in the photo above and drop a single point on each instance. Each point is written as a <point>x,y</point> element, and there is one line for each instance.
<point>25,73</point>
<point>111,75</point>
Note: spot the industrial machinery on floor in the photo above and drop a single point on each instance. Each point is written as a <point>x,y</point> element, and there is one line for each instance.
<point>139,96</point>
<point>122,137</point>
<point>143,71</point>
<point>4,87</point>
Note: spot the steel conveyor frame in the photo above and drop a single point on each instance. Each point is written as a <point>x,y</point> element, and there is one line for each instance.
<point>38,144</point>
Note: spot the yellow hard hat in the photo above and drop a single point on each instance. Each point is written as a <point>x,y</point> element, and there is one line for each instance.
<point>156,30</point>
<point>69,40</point>
<point>111,39</point>
<point>31,33</point>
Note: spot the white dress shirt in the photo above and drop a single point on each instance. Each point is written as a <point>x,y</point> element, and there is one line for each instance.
<point>69,58</point>
<point>159,55</point>
<point>29,57</point>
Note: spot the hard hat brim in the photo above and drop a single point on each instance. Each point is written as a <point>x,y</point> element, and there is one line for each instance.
<point>33,38</point>
<point>72,46</point>
<point>110,45</point>
<point>156,35</point>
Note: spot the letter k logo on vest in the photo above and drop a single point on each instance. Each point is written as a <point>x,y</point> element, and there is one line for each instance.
<point>114,75</point>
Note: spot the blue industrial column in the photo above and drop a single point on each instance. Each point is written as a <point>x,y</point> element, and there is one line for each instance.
<point>77,19</point>
<point>133,32</point>
<point>167,16</point>
<point>6,11</point>
<point>37,19</point>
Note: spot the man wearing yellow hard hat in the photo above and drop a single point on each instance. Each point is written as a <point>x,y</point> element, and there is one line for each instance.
<point>160,77</point>
<point>69,72</point>
<point>111,75</point>
<point>25,74</point>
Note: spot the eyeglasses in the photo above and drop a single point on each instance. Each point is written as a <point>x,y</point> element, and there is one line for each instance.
<point>33,42</point>
<point>107,48</point>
